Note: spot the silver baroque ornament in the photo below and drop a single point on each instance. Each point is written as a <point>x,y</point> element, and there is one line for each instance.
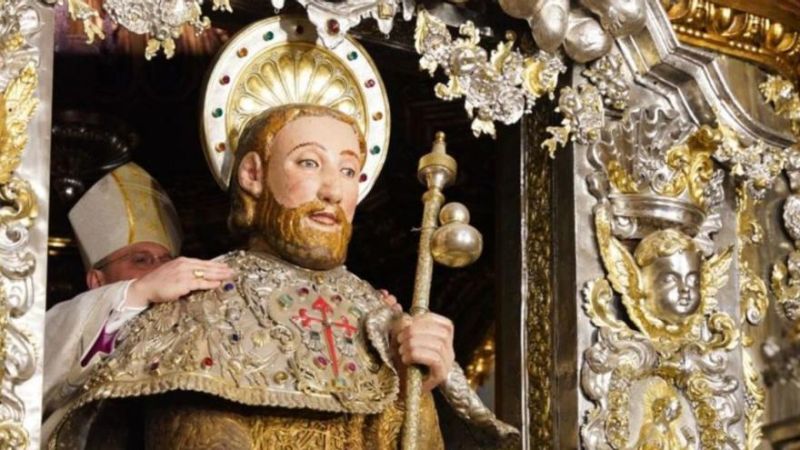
<point>500,86</point>
<point>583,117</point>
<point>657,383</point>
<point>584,36</point>
<point>607,74</point>
<point>755,163</point>
<point>19,22</point>
<point>791,216</point>
<point>785,278</point>
<point>162,21</point>
<point>334,19</point>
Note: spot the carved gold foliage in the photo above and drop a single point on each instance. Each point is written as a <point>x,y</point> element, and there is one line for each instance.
<point>711,24</point>
<point>17,105</point>
<point>753,294</point>
<point>538,247</point>
<point>13,435</point>
<point>755,395</point>
<point>753,303</point>
<point>18,203</point>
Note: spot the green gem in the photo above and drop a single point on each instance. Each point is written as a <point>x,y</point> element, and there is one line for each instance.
<point>285,300</point>
<point>268,36</point>
<point>352,56</point>
<point>217,112</point>
<point>375,150</point>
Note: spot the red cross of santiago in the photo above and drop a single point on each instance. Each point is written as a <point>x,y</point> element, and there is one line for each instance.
<point>328,327</point>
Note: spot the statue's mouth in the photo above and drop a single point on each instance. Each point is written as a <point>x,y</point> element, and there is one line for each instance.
<point>325,218</point>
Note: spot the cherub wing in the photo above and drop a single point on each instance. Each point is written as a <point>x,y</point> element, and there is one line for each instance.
<point>714,275</point>
<point>623,273</point>
<point>597,302</point>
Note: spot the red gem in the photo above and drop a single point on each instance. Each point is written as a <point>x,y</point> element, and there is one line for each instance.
<point>333,26</point>
<point>321,361</point>
<point>302,291</point>
<point>208,362</point>
<point>370,83</point>
<point>154,365</point>
<point>225,80</point>
<point>337,298</point>
<point>221,147</point>
<point>242,52</point>
<point>351,367</point>
<point>362,178</point>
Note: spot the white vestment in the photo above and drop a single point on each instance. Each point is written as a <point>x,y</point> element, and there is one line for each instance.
<point>71,330</point>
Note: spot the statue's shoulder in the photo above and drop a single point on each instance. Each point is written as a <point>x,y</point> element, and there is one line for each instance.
<point>277,335</point>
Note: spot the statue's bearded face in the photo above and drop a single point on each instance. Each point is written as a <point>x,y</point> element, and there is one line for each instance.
<point>305,213</point>
<point>673,285</point>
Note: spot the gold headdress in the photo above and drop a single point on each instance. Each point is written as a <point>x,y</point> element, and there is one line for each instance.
<point>279,61</point>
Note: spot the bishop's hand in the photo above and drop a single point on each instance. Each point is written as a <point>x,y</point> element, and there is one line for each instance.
<point>175,279</point>
<point>425,340</point>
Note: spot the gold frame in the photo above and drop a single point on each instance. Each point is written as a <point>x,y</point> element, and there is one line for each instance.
<point>762,32</point>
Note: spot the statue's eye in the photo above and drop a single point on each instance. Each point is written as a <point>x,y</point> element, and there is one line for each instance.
<point>308,164</point>
<point>693,279</point>
<point>668,278</point>
<point>348,172</point>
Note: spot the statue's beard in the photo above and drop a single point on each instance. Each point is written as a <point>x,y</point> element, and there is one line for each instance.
<point>288,235</point>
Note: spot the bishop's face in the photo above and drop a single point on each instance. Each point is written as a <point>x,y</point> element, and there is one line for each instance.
<point>306,211</point>
<point>673,286</point>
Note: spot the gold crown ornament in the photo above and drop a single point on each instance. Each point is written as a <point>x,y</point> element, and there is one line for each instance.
<point>658,173</point>
<point>282,60</point>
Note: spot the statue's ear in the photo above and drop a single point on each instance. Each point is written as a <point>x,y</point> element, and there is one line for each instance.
<point>251,174</point>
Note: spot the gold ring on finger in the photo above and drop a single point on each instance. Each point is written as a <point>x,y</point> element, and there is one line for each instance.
<point>199,274</point>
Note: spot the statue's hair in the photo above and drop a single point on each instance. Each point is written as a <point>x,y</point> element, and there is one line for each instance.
<point>662,243</point>
<point>257,136</point>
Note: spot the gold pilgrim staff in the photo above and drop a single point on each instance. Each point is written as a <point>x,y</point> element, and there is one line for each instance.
<point>454,244</point>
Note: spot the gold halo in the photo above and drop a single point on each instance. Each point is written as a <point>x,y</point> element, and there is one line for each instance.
<point>279,61</point>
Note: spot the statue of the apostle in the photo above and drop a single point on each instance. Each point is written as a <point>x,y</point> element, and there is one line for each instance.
<point>292,332</point>
<point>297,346</point>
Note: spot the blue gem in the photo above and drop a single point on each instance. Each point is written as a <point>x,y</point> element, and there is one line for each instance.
<point>228,287</point>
